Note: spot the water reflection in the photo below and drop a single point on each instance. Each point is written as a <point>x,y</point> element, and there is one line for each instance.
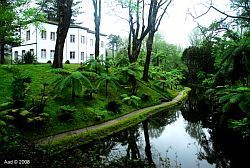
<point>219,145</point>
<point>172,138</point>
<point>145,146</point>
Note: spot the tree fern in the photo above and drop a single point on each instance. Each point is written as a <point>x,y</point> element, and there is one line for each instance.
<point>76,81</point>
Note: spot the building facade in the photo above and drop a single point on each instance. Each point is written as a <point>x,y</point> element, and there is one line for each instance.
<point>41,40</point>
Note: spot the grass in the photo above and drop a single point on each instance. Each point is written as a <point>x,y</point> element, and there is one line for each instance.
<point>87,110</point>
<point>71,141</point>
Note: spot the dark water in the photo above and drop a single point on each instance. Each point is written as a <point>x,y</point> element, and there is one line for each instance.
<point>187,136</point>
<point>172,139</point>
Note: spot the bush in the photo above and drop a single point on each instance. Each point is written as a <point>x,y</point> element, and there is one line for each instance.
<point>49,62</point>
<point>66,113</point>
<point>88,93</point>
<point>145,97</point>
<point>29,57</point>
<point>19,90</point>
<point>114,107</point>
<point>67,62</point>
<point>130,100</point>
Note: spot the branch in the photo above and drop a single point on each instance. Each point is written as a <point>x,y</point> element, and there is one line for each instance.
<point>224,13</point>
<point>158,21</point>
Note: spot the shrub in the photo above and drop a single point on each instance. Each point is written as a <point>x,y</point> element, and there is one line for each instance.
<point>28,57</point>
<point>66,113</point>
<point>99,117</point>
<point>49,62</point>
<point>19,89</point>
<point>145,97</point>
<point>114,107</point>
<point>130,100</point>
<point>88,93</point>
<point>67,62</point>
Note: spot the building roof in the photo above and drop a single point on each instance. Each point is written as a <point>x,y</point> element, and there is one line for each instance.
<point>75,26</point>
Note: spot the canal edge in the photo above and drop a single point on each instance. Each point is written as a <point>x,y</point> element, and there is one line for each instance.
<point>71,139</point>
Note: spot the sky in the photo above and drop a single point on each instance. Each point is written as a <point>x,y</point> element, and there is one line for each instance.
<point>176,25</point>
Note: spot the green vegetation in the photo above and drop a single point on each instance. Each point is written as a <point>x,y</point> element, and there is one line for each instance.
<point>219,62</point>
<point>70,141</point>
<point>68,88</point>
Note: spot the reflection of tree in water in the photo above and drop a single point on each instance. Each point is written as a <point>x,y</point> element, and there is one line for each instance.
<point>208,149</point>
<point>158,122</point>
<point>133,157</point>
<point>195,109</point>
<point>147,144</point>
<point>223,147</point>
<point>195,130</point>
<point>133,150</point>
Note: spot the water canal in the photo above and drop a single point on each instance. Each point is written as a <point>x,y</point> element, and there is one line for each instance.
<point>180,137</point>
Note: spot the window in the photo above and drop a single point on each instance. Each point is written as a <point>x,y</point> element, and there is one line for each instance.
<point>27,35</point>
<point>91,56</point>
<point>32,51</point>
<point>52,53</point>
<point>72,38</point>
<point>43,34</point>
<point>43,53</point>
<point>82,56</point>
<point>102,44</point>
<point>72,54</point>
<point>16,55</point>
<point>82,39</point>
<point>91,42</point>
<point>52,36</point>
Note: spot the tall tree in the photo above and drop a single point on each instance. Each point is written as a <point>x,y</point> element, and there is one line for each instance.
<point>65,14</point>
<point>137,28</point>
<point>97,20</point>
<point>154,20</point>
<point>51,9</point>
<point>14,15</point>
<point>114,42</point>
<point>6,20</point>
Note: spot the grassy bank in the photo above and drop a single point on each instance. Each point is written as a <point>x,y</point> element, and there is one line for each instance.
<point>89,111</point>
<point>70,141</point>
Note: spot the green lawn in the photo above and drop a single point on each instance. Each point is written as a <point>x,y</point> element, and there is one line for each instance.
<point>87,110</point>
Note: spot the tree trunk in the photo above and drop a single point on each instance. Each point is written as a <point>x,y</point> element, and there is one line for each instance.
<point>106,85</point>
<point>132,146</point>
<point>97,19</point>
<point>149,45</point>
<point>136,48</point>
<point>65,13</point>
<point>2,53</point>
<point>133,82</point>
<point>147,141</point>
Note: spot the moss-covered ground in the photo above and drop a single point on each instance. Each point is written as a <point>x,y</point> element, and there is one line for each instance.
<point>88,110</point>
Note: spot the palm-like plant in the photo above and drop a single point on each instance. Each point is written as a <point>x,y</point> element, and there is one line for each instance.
<point>154,72</point>
<point>76,81</point>
<point>130,73</point>
<point>130,100</point>
<point>107,79</point>
<point>95,65</point>
<point>4,117</point>
<point>163,82</point>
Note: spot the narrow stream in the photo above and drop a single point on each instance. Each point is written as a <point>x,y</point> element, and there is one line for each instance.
<point>184,136</point>
<point>172,139</point>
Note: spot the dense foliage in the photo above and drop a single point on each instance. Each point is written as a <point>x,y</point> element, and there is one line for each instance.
<point>220,63</point>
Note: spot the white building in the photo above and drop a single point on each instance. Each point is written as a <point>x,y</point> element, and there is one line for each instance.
<point>41,40</point>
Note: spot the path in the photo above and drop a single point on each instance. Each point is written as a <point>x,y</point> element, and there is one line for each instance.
<point>111,122</point>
